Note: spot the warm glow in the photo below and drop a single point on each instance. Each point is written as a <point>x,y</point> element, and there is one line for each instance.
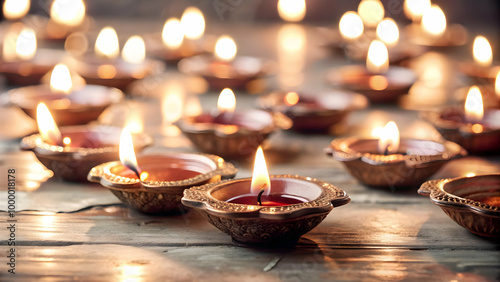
<point>351,26</point>
<point>481,50</point>
<point>225,48</point>
<point>497,84</point>
<point>474,110</point>
<point>67,141</point>
<point>291,43</point>
<point>414,9</point>
<point>470,174</point>
<point>378,82</point>
<point>291,98</point>
<point>193,106</point>
<point>173,104</point>
<point>227,101</point>
<point>172,34</point>
<point>26,44</point>
<point>134,50</point>
<point>47,126</point>
<point>388,32</point>
<point>377,60</point>
<point>292,10</point>
<point>371,12</point>
<point>193,23</point>
<point>260,177</point>
<point>15,9</point>
<point>389,138</point>
<point>434,21</point>
<point>106,71</point>
<point>60,80</point>
<point>126,151</point>
<point>68,12</point>
<point>134,121</point>
<point>106,44</point>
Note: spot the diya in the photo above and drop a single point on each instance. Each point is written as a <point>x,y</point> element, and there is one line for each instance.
<point>154,183</point>
<point>472,202</point>
<point>481,68</point>
<point>391,161</point>
<point>313,113</point>
<point>265,211</point>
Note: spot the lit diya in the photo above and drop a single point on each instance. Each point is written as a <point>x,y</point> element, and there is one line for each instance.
<point>224,68</point>
<point>71,151</point>
<point>313,113</point>
<point>472,202</point>
<point>390,161</point>
<point>265,210</point>
<point>155,183</point>
<point>481,68</point>
<point>471,126</point>
<point>230,133</point>
<point>377,81</point>
<point>70,104</point>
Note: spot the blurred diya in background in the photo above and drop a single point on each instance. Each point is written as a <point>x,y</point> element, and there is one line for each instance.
<point>313,113</point>
<point>390,161</point>
<point>490,94</point>
<point>231,133</point>
<point>481,68</point>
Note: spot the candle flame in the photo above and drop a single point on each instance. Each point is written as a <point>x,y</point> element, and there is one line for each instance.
<point>227,101</point>
<point>15,9</point>
<point>389,138</point>
<point>351,26</point>
<point>193,23</point>
<point>388,32</point>
<point>260,177</point>
<point>371,12</point>
<point>172,33</point>
<point>46,126</point>
<point>291,98</point>
<point>26,44</point>
<point>474,110</point>
<point>377,60</point>
<point>126,151</point>
<point>434,21</point>
<point>225,48</point>
<point>414,9</point>
<point>106,44</point>
<point>134,50</point>
<point>68,12</point>
<point>292,10</point>
<point>497,84</point>
<point>60,80</point>
<point>481,50</point>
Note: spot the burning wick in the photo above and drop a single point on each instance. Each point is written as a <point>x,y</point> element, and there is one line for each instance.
<point>127,154</point>
<point>259,196</point>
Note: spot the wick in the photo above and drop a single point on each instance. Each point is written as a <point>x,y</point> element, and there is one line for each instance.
<point>135,170</point>
<point>259,200</point>
<point>386,151</point>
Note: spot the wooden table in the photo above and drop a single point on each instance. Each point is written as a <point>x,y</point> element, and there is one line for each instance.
<point>380,235</point>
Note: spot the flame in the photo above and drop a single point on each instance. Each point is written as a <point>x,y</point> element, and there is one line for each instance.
<point>388,32</point>
<point>497,84</point>
<point>173,103</point>
<point>134,121</point>
<point>26,44</point>
<point>474,105</point>
<point>106,44</point>
<point>227,101</point>
<point>134,50</point>
<point>377,60</point>
<point>225,48</point>
<point>46,125</point>
<point>126,151</point>
<point>291,43</point>
<point>292,10</point>
<point>193,23</point>
<point>481,49</point>
<point>68,12</point>
<point>351,26</point>
<point>66,141</point>
<point>414,9</point>
<point>434,21</point>
<point>15,9</point>
<point>172,33</point>
<point>260,177</point>
<point>291,98</point>
<point>389,138</point>
<point>60,80</point>
<point>371,12</point>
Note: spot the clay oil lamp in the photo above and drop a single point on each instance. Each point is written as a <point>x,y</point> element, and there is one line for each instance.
<point>71,151</point>
<point>481,68</point>
<point>70,104</point>
<point>154,184</point>
<point>390,161</point>
<point>265,211</point>
<point>229,133</point>
<point>105,67</point>
<point>377,81</point>
<point>471,126</point>
<point>489,92</point>
<point>472,202</point>
<point>224,68</point>
<point>313,113</point>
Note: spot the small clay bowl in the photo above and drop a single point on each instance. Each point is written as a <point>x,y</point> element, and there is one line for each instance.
<point>266,226</point>
<point>235,138</point>
<point>236,74</point>
<point>415,161</point>
<point>90,146</point>
<point>81,106</point>
<point>168,176</point>
<point>378,88</point>
<point>472,202</point>
<point>314,113</point>
<point>455,35</point>
<point>480,73</point>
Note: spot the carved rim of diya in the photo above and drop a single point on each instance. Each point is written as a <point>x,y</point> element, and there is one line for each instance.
<point>472,202</point>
